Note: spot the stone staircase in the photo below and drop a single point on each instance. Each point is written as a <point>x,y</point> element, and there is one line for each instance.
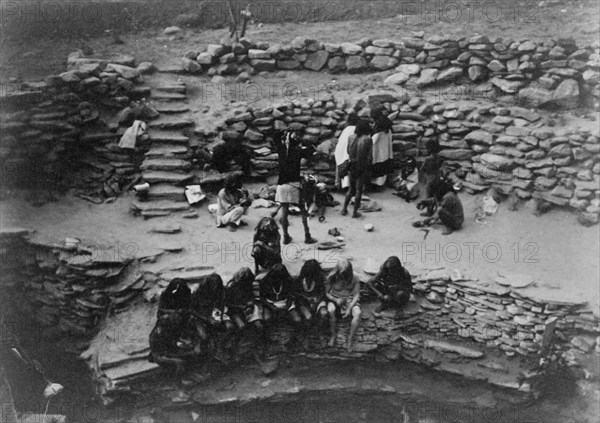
<point>167,165</point>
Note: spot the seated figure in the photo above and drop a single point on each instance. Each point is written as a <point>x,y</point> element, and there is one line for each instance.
<point>266,248</point>
<point>392,284</point>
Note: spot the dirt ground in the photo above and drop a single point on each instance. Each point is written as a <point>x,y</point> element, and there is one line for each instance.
<point>561,254</point>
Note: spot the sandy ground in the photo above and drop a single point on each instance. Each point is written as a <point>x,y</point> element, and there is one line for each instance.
<point>561,254</point>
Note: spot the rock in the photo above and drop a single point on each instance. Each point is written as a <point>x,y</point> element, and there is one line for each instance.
<point>336,64</point>
<point>506,86</point>
<point>583,343</point>
<point>480,137</point>
<point>125,71</point>
<point>567,94</point>
<point>351,49</point>
<point>449,74</point>
<point>253,135</point>
<point>476,73</point>
<point>205,58</point>
<point>191,66</point>
<point>522,112</point>
<point>171,30</point>
<point>587,218</point>
<point>356,64</point>
<point>383,62</point>
<point>457,154</point>
<point>368,227</point>
<point>527,46</point>
<point>409,69</point>
<point>427,77</point>
<point>444,347</point>
<point>496,66</point>
<point>315,61</point>
<point>146,68</point>
<point>263,65</point>
<point>288,64</point>
<point>217,50</point>
<point>396,79</point>
<point>258,54</point>
<point>497,162</point>
<point>243,77</point>
<point>535,95</point>
<point>561,191</point>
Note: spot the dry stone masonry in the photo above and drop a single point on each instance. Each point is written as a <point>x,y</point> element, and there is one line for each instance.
<point>554,73</point>
<point>485,330</point>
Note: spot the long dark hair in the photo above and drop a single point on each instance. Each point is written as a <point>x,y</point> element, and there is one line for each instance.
<point>311,270</point>
<point>232,183</point>
<point>391,268</point>
<point>243,277</point>
<point>209,293</point>
<point>362,128</point>
<point>177,295</point>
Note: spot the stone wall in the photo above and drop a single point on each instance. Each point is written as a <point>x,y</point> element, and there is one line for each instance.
<point>512,148</point>
<point>483,330</point>
<point>554,73</point>
<point>52,130</point>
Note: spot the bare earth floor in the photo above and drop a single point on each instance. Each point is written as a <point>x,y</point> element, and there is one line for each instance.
<point>561,254</point>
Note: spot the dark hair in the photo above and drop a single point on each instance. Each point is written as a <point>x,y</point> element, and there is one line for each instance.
<point>311,270</point>
<point>353,119</point>
<point>377,112</point>
<point>440,187</point>
<point>279,272</point>
<point>362,128</point>
<point>242,276</point>
<point>231,182</point>
<point>382,124</point>
<point>266,224</point>
<point>433,146</point>
<point>177,295</point>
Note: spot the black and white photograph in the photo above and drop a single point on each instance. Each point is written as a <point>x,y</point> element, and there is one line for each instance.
<point>299,211</point>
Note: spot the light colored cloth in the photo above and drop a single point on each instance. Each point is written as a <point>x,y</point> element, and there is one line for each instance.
<point>129,138</point>
<point>288,193</point>
<point>341,152</point>
<point>228,208</point>
<point>382,152</point>
<point>234,216</point>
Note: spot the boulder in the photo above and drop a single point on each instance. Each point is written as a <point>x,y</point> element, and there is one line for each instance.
<point>217,50</point>
<point>506,86</point>
<point>205,58</point>
<point>315,61</point>
<point>457,154</point>
<point>535,95</point>
<point>125,71</point>
<point>566,94</point>
<point>476,73</point>
<point>258,54</point>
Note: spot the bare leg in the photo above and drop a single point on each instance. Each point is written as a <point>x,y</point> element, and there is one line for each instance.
<point>349,194</point>
<point>359,186</point>
<point>285,209</point>
<point>307,238</point>
<point>331,310</point>
<point>353,326</point>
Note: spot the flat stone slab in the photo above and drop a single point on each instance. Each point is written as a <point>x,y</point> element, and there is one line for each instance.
<point>171,108</point>
<point>167,151</point>
<point>515,280</point>
<point>168,122</point>
<point>167,137</point>
<point>168,228</point>
<point>160,206</point>
<point>164,96</point>
<point>167,192</point>
<point>171,88</point>
<point>452,348</point>
<point>157,176</point>
<point>165,164</point>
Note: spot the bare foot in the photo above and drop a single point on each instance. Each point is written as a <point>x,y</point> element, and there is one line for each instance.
<point>232,227</point>
<point>344,212</point>
<point>356,214</point>
<point>447,231</point>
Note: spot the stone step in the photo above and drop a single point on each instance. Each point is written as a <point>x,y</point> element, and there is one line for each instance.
<point>172,88</point>
<point>176,69</point>
<point>166,108</point>
<point>164,96</point>
<point>166,191</point>
<point>160,206</point>
<point>92,137</point>
<point>168,137</point>
<point>179,151</point>
<point>170,122</point>
<point>160,176</point>
<point>165,164</point>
